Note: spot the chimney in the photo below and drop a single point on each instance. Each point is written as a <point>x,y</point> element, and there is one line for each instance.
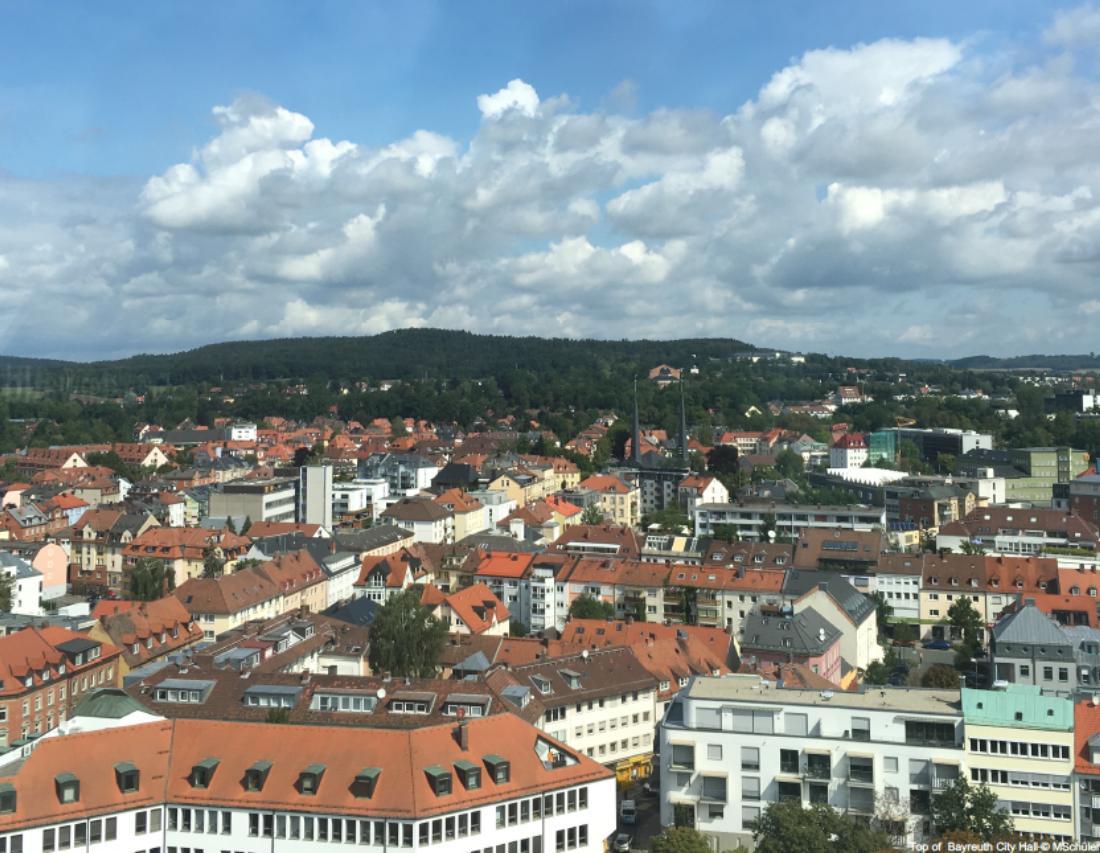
<point>462,736</point>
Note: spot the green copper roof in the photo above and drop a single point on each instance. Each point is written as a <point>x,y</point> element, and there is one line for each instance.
<point>1018,706</point>
<point>108,703</point>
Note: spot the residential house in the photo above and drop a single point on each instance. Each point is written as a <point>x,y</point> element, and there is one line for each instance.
<point>45,672</point>
<point>618,501</point>
<point>843,606</point>
<point>26,585</point>
<point>99,541</point>
<point>701,488</point>
<point>144,631</point>
<point>468,513</point>
<point>428,521</point>
<point>472,610</point>
<point>183,550</point>
<point>771,637</point>
<point>223,603</point>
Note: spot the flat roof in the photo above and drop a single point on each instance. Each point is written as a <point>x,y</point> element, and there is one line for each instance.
<point>752,688</point>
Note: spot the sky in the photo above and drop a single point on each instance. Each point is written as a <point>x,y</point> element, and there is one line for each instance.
<point>860,178</point>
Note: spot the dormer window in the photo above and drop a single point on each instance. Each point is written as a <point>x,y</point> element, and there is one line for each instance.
<point>7,798</point>
<point>954,581</point>
<point>366,780</point>
<point>68,788</point>
<point>572,678</point>
<point>499,768</point>
<point>973,582</point>
<point>440,780</point>
<point>543,684</point>
<point>934,581</point>
<point>203,772</point>
<point>256,775</point>
<point>309,780</point>
<point>469,774</point>
<point>126,776</point>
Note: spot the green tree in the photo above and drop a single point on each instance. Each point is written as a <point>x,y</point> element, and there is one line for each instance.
<point>968,622</point>
<point>789,464</point>
<point>680,839</point>
<point>213,564</point>
<point>397,427</point>
<point>973,548</point>
<point>883,610</point>
<point>405,638</point>
<point>230,525</point>
<point>962,807</point>
<point>516,628</point>
<point>790,827</point>
<point>724,532</point>
<point>669,520</point>
<point>277,715</point>
<point>940,675</point>
<point>722,459</point>
<point>7,583</point>
<point>148,579</point>
<point>592,514</point>
<point>247,525</point>
<point>586,607</point>
<point>945,462</point>
<point>905,632</point>
<point>877,674</point>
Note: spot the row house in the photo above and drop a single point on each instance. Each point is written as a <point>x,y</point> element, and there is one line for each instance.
<point>99,541</point>
<point>44,673</point>
<point>1015,531</point>
<point>223,603</point>
<point>203,784</point>
<point>382,577</point>
<point>701,489</point>
<point>182,550</point>
<point>144,631</point>
<point>472,610</point>
<point>619,501</point>
<point>468,513</point>
<point>990,583</point>
<point>36,459</point>
<point>672,654</point>
<point>602,704</point>
<point>428,520</point>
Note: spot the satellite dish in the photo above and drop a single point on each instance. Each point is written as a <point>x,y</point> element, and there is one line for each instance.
<point>584,654</point>
<point>381,694</point>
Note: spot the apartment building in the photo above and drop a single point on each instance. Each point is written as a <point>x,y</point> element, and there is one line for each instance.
<point>275,499</point>
<point>144,630</point>
<point>200,784</point>
<point>221,604</point>
<point>44,672</point>
<point>1020,742</point>
<point>619,501</point>
<point>729,746</point>
<point>748,520</point>
<point>1020,532</point>
<point>601,703</point>
<point>1086,770</point>
<point>99,539</point>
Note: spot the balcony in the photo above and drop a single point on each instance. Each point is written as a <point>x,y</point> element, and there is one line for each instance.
<point>818,767</point>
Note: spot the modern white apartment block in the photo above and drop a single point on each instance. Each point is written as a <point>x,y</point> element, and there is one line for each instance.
<point>748,519</point>
<point>731,745</point>
<point>485,785</point>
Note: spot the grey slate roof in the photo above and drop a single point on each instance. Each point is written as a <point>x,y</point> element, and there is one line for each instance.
<point>798,634</point>
<point>1032,626</point>
<point>22,568</point>
<point>798,582</point>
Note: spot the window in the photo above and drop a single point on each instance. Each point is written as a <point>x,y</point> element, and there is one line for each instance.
<point>126,775</point>
<point>750,758</point>
<point>683,756</point>
<point>788,761</point>
<point>796,724</point>
<point>861,728</point>
<point>749,816</point>
<point>714,752</point>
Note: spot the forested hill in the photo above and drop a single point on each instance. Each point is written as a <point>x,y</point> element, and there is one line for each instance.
<point>402,354</point>
<point>1025,362</point>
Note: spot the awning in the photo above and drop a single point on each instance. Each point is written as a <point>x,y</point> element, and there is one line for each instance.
<point>861,755</point>
<point>819,751</point>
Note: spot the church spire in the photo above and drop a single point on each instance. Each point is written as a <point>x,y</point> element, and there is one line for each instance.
<point>683,423</point>
<point>635,449</point>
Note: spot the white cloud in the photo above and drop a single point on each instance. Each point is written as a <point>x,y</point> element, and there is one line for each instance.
<point>517,95</point>
<point>864,201</point>
<point>1078,26</point>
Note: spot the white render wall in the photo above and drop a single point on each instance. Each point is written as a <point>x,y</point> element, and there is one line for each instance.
<point>600,730</point>
<point>598,817</point>
<point>718,752</point>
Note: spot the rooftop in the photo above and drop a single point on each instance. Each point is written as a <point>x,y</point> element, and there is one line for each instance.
<point>752,688</point>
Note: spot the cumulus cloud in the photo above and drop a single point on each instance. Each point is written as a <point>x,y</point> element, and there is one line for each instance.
<point>912,197</point>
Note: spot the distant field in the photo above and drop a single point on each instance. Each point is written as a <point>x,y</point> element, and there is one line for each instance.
<point>20,392</point>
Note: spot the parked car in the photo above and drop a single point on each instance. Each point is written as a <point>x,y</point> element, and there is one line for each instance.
<point>628,812</point>
<point>939,645</point>
<point>898,679</point>
<point>622,842</point>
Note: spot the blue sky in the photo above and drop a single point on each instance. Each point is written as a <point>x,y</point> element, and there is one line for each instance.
<point>102,104</point>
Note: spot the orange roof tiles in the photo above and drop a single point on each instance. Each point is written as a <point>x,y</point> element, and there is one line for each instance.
<point>165,752</point>
<point>478,608</point>
<point>504,564</point>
